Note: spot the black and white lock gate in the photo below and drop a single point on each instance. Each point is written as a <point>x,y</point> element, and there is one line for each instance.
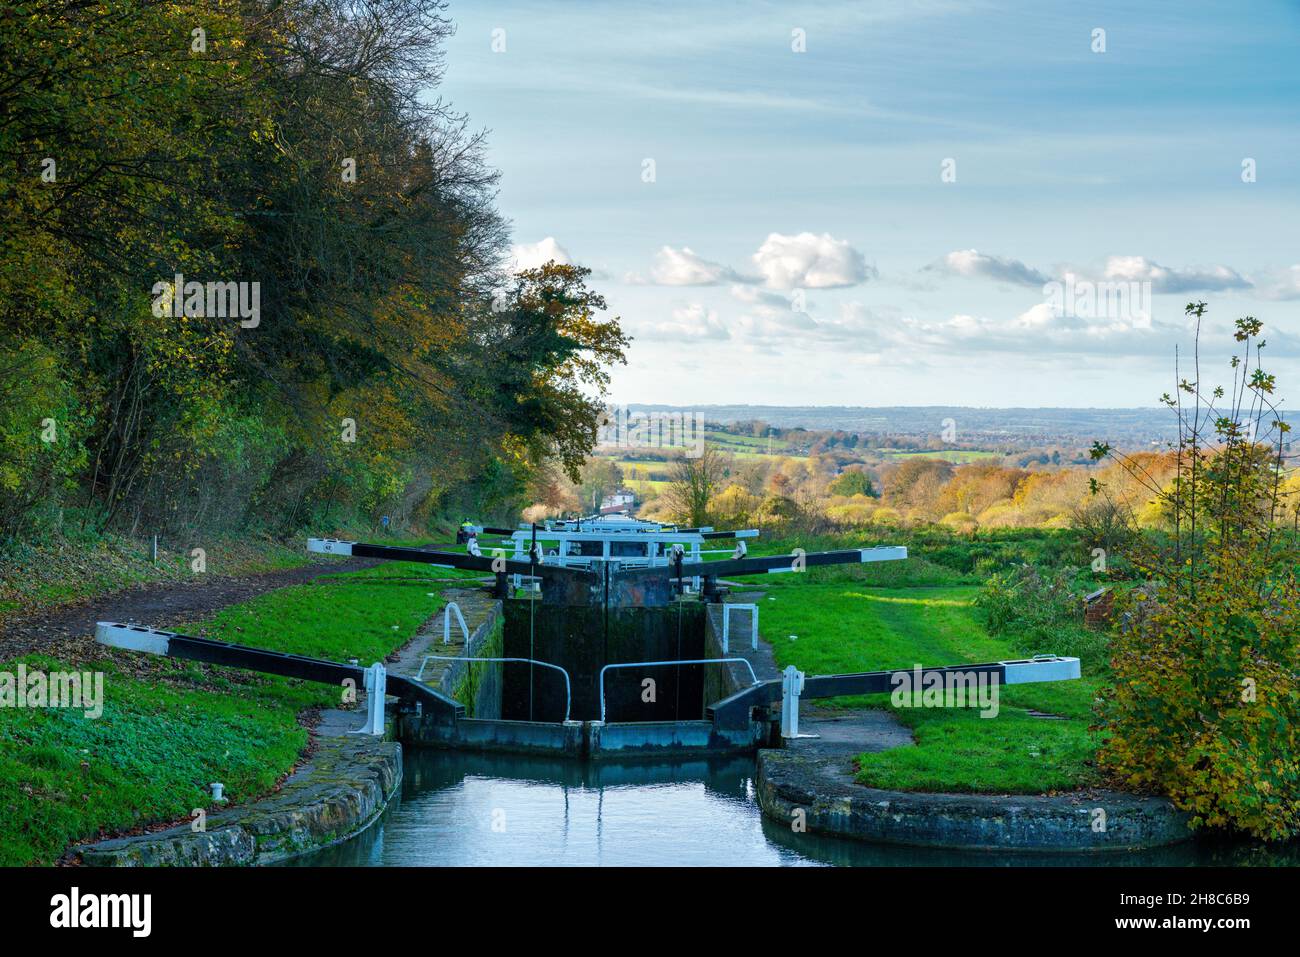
<point>608,580</point>
<point>414,694</point>
<point>737,710</point>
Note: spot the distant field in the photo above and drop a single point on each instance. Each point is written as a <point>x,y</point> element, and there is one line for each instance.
<point>640,486</point>
<point>644,471</point>
<point>725,445</point>
<point>734,442</point>
<point>957,456</point>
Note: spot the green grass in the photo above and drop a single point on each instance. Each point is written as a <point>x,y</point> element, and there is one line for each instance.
<point>844,626</point>
<point>38,576</point>
<point>169,728</point>
<point>956,456</point>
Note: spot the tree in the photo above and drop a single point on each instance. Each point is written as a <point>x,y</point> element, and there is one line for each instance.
<point>548,351</point>
<point>916,483</point>
<point>693,484</point>
<point>301,149</point>
<point>852,482</point>
<point>600,477</point>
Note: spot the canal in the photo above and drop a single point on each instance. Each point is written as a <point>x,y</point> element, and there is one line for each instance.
<point>470,809</point>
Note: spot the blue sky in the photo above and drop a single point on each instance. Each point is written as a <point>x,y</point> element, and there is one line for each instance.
<point>800,243</point>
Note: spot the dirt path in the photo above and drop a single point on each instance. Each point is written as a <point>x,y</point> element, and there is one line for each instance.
<point>68,630</point>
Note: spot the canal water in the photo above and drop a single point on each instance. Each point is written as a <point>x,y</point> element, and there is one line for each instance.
<point>478,809</point>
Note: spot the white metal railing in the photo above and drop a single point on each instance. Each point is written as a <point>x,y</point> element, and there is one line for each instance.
<point>726,624</point>
<point>446,624</point>
<point>652,664</point>
<point>568,691</point>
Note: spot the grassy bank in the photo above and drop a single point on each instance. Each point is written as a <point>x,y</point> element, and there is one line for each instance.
<point>34,576</point>
<point>169,728</point>
<point>829,626</point>
<point>73,568</point>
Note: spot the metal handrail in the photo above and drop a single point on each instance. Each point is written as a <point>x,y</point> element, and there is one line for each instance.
<point>651,664</point>
<point>446,623</point>
<point>568,694</point>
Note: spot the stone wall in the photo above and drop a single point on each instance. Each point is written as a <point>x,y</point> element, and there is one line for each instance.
<point>342,790</point>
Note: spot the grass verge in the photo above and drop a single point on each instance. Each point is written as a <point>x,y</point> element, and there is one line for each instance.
<point>169,728</point>
<point>828,627</point>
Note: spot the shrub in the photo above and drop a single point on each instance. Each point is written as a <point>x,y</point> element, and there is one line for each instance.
<point>1041,613</point>
<point>962,521</point>
<point>1206,702</point>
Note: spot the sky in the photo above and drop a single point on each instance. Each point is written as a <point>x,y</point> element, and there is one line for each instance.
<point>888,203</point>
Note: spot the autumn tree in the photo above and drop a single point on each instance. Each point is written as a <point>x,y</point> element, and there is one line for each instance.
<point>300,149</point>
<point>694,482</point>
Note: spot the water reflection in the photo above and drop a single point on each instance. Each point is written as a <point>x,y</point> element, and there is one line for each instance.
<point>480,809</point>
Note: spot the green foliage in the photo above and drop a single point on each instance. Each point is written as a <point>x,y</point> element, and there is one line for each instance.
<point>42,431</point>
<point>303,149</point>
<point>1041,613</point>
<point>1206,701</point>
<point>852,482</point>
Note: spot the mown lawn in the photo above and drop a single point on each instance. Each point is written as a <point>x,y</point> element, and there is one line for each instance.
<point>826,627</point>
<point>169,728</point>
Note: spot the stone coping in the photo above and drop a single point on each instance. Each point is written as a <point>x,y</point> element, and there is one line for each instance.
<point>341,790</point>
<point>831,803</point>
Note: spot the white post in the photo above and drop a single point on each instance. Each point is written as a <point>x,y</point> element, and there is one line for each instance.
<point>376,687</point>
<point>791,686</point>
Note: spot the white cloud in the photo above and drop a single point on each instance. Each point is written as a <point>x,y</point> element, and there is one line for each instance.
<point>810,261</point>
<point>1040,316</point>
<point>763,302</point>
<point>682,267</point>
<point>1284,285</point>
<point>531,255</point>
<point>1039,331</point>
<point>975,264</point>
<point>855,326</point>
<point>693,321</point>
<point>1166,280</point>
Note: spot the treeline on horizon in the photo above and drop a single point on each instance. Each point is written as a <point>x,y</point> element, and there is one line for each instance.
<point>818,492</point>
<point>375,359</point>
